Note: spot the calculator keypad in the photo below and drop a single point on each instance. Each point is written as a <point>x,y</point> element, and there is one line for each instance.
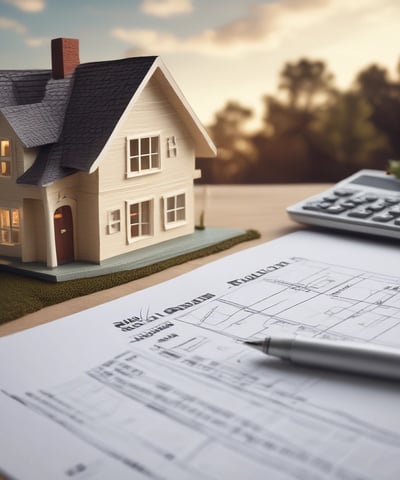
<point>358,205</point>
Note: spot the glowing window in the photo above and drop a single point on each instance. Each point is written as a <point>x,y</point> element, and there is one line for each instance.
<point>9,226</point>
<point>140,221</point>
<point>5,158</point>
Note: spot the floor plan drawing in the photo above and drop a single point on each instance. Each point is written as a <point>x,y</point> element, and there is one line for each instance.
<point>308,298</point>
<point>158,385</point>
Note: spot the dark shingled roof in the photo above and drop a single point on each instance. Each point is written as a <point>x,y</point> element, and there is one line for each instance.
<point>38,124</point>
<point>100,94</point>
<point>22,87</point>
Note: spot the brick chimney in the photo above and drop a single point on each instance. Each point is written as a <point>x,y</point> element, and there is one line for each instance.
<point>64,56</point>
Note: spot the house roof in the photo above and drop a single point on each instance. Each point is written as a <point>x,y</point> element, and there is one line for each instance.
<point>22,87</point>
<point>73,118</point>
<point>40,123</point>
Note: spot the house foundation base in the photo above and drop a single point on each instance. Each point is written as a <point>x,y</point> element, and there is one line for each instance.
<point>130,261</point>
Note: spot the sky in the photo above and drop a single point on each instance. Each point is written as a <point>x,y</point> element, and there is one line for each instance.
<point>217,50</point>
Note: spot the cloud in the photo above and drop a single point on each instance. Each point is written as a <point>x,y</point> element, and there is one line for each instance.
<point>30,6</point>
<point>36,41</point>
<point>166,8</point>
<point>263,27</point>
<point>13,25</point>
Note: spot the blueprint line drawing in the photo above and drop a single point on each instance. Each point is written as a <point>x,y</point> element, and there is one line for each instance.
<point>114,404</point>
<point>179,396</point>
<point>309,298</point>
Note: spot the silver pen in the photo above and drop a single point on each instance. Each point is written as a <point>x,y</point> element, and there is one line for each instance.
<point>344,356</point>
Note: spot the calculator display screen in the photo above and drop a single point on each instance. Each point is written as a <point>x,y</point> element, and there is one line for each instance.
<point>378,182</point>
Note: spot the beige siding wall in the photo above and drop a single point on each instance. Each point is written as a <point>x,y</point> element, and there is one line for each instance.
<point>152,113</point>
<point>33,231</point>
<point>88,238</point>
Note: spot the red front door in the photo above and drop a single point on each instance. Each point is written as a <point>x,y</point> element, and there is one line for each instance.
<point>64,235</point>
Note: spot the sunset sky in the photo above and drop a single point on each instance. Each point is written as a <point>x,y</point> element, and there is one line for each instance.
<point>216,49</point>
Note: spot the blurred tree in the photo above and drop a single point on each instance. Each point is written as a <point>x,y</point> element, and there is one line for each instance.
<point>290,148</point>
<point>310,131</point>
<point>384,97</point>
<point>236,153</point>
<point>306,84</point>
<point>350,138</point>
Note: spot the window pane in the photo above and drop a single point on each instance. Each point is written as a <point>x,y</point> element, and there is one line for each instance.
<point>154,161</point>
<point>144,146</point>
<point>146,212</point>
<point>115,215</point>
<point>145,162</point>
<point>15,236</point>
<point>170,203</point>
<point>146,229</point>
<point>134,147</point>
<point>134,212</point>
<point>5,236</point>
<point>180,200</point>
<point>5,148</point>
<point>134,230</point>
<point>154,144</point>
<point>15,217</point>
<point>170,217</point>
<point>5,169</point>
<point>134,164</point>
<point>4,218</point>
<point>180,214</point>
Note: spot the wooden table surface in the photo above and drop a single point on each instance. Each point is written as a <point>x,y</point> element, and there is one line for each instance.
<point>259,207</point>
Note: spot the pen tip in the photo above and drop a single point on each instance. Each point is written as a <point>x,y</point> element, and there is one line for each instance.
<point>257,344</point>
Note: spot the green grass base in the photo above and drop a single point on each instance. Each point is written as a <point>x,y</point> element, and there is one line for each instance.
<point>21,295</point>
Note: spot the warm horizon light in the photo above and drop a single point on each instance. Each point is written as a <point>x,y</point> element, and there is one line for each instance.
<point>216,50</point>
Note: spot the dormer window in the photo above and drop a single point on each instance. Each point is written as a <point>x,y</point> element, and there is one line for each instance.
<point>5,158</point>
<point>143,155</point>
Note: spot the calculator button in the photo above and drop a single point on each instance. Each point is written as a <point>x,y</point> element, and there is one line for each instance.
<point>359,200</point>
<point>335,209</point>
<point>370,198</point>
<point>329,198</point>
<point>397,222</point>
<point>383,217</point>
<point>311,206</point>
<point>394,210</point>
<point>344,192</point>
<point>360,213</point>
<point>347,204</point>
<point>377,206</point>
<point>392,200</point>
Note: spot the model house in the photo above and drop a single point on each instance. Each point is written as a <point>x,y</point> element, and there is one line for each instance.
<point>96,159</point>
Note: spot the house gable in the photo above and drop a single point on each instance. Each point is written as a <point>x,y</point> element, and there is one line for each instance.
<point>203,144</point>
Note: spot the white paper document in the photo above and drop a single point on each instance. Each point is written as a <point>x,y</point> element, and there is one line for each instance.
<point>157,385</point>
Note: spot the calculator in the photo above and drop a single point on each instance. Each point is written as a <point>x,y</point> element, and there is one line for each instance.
<point>366,202</point>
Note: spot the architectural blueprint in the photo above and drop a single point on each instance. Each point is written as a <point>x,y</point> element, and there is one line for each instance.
<point>158,385</point>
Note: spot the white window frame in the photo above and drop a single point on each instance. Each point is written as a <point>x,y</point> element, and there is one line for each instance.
<point>140,223</point>
<point>114,223</point>
<point>168,210</point>
<point>5,160</point>
<point>171,147</point>
<point>11,228</point>
<point>130,156</point>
